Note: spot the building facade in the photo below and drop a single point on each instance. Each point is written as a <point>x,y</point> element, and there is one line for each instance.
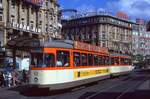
<point>103,30</point>
<point>23,21</point>
<point>141,39</point>
<point>49,20</point>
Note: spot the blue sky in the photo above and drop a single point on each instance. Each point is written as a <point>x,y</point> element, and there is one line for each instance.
<point>134,8</point>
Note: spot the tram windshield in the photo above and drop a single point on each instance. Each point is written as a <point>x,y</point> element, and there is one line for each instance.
<point>40,60</point>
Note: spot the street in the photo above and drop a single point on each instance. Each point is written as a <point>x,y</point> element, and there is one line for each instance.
<point>133,86</point>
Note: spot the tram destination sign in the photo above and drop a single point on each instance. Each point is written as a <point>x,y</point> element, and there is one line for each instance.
<point>84,46</point>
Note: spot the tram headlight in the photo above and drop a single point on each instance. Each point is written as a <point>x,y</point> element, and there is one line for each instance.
<point>36,79</point>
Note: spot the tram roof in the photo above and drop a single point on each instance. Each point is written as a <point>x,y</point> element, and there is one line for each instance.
<point>72,44</point>
<point>58,44</point>
<point>120,55</point>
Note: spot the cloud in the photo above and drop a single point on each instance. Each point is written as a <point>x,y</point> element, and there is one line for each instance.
<point>134,8</point>
<point>86,8</point>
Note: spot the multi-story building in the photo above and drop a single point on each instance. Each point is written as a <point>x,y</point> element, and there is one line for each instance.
<point>1,33</point>
<point>26,21</point>
<point>135,39</point>
<point>49,20</point>
<point>141,39</point>
<point>100,29</point>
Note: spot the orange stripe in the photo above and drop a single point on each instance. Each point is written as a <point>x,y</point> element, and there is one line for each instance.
<point>64,68</point>
<point>81,67</point>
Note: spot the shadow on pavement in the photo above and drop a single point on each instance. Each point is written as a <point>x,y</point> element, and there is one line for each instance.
<point>34,91</point>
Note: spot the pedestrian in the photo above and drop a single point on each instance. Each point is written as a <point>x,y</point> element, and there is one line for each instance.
<point>5,79</point>
<point>24,75</point>
<point>14,78</point>
<point>8,79</point>
<point>1,79</point>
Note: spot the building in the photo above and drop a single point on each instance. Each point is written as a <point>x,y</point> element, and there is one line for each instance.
<point>26,21</point>
<point>1,33</point>
<point>141,38</point>
<point>49,20</point>
<point>102,29</point>
<point>135,39</point>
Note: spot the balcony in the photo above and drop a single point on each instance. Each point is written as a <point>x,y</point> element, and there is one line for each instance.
<point>126,41</point>
<point>115,40</point>
<point>2,24</point>
<point>23,28</point>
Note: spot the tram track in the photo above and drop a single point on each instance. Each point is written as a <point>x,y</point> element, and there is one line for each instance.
<point>102,85</point>
<point>124,91</point>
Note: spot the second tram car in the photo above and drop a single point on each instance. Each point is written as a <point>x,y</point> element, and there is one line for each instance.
<point>66,64</point>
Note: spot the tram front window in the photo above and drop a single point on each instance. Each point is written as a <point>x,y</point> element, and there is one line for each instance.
<point>37,59</point>
<point>40,60</point>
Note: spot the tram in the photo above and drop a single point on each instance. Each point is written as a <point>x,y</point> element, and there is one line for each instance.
<point>120,64</point>
<point>63,64</point>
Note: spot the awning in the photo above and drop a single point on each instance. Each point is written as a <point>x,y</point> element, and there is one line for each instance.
<point>23,43</point>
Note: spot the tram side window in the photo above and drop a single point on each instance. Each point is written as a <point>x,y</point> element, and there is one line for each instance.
<point>122,61</point>
<point>84,59</point>
<point>90,59</point>
<point>95,60</point>
<point>63,59</point>
<point>112,61</point>
<point>116,61</point>
<point>103,60</point>
<point>76,59</point>
<point>100,60</point>
<point>130,62</point>
<point>49,60</point>
<point>127,61</point>
<point>107,61</point>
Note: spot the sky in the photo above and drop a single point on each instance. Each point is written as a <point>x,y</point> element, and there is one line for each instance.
<point>133,8</point>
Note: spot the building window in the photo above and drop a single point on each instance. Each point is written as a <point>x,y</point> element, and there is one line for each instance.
<point>13,4</point>
<point>1,18</point>
<point>103,35</point>
<point>103,44</point>
<point>46,3</point>
<point>31,25</point>
<point>0,44</point>
<point>23,8</point>
<point>32,11</point>
<point>46,14</point>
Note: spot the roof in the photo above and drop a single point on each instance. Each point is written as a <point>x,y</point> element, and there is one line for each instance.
<point>120,55</point>
<point>58,44</point>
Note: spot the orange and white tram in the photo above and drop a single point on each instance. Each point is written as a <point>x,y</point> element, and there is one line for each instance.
<point>65,64</point>
<point>120,64</point>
